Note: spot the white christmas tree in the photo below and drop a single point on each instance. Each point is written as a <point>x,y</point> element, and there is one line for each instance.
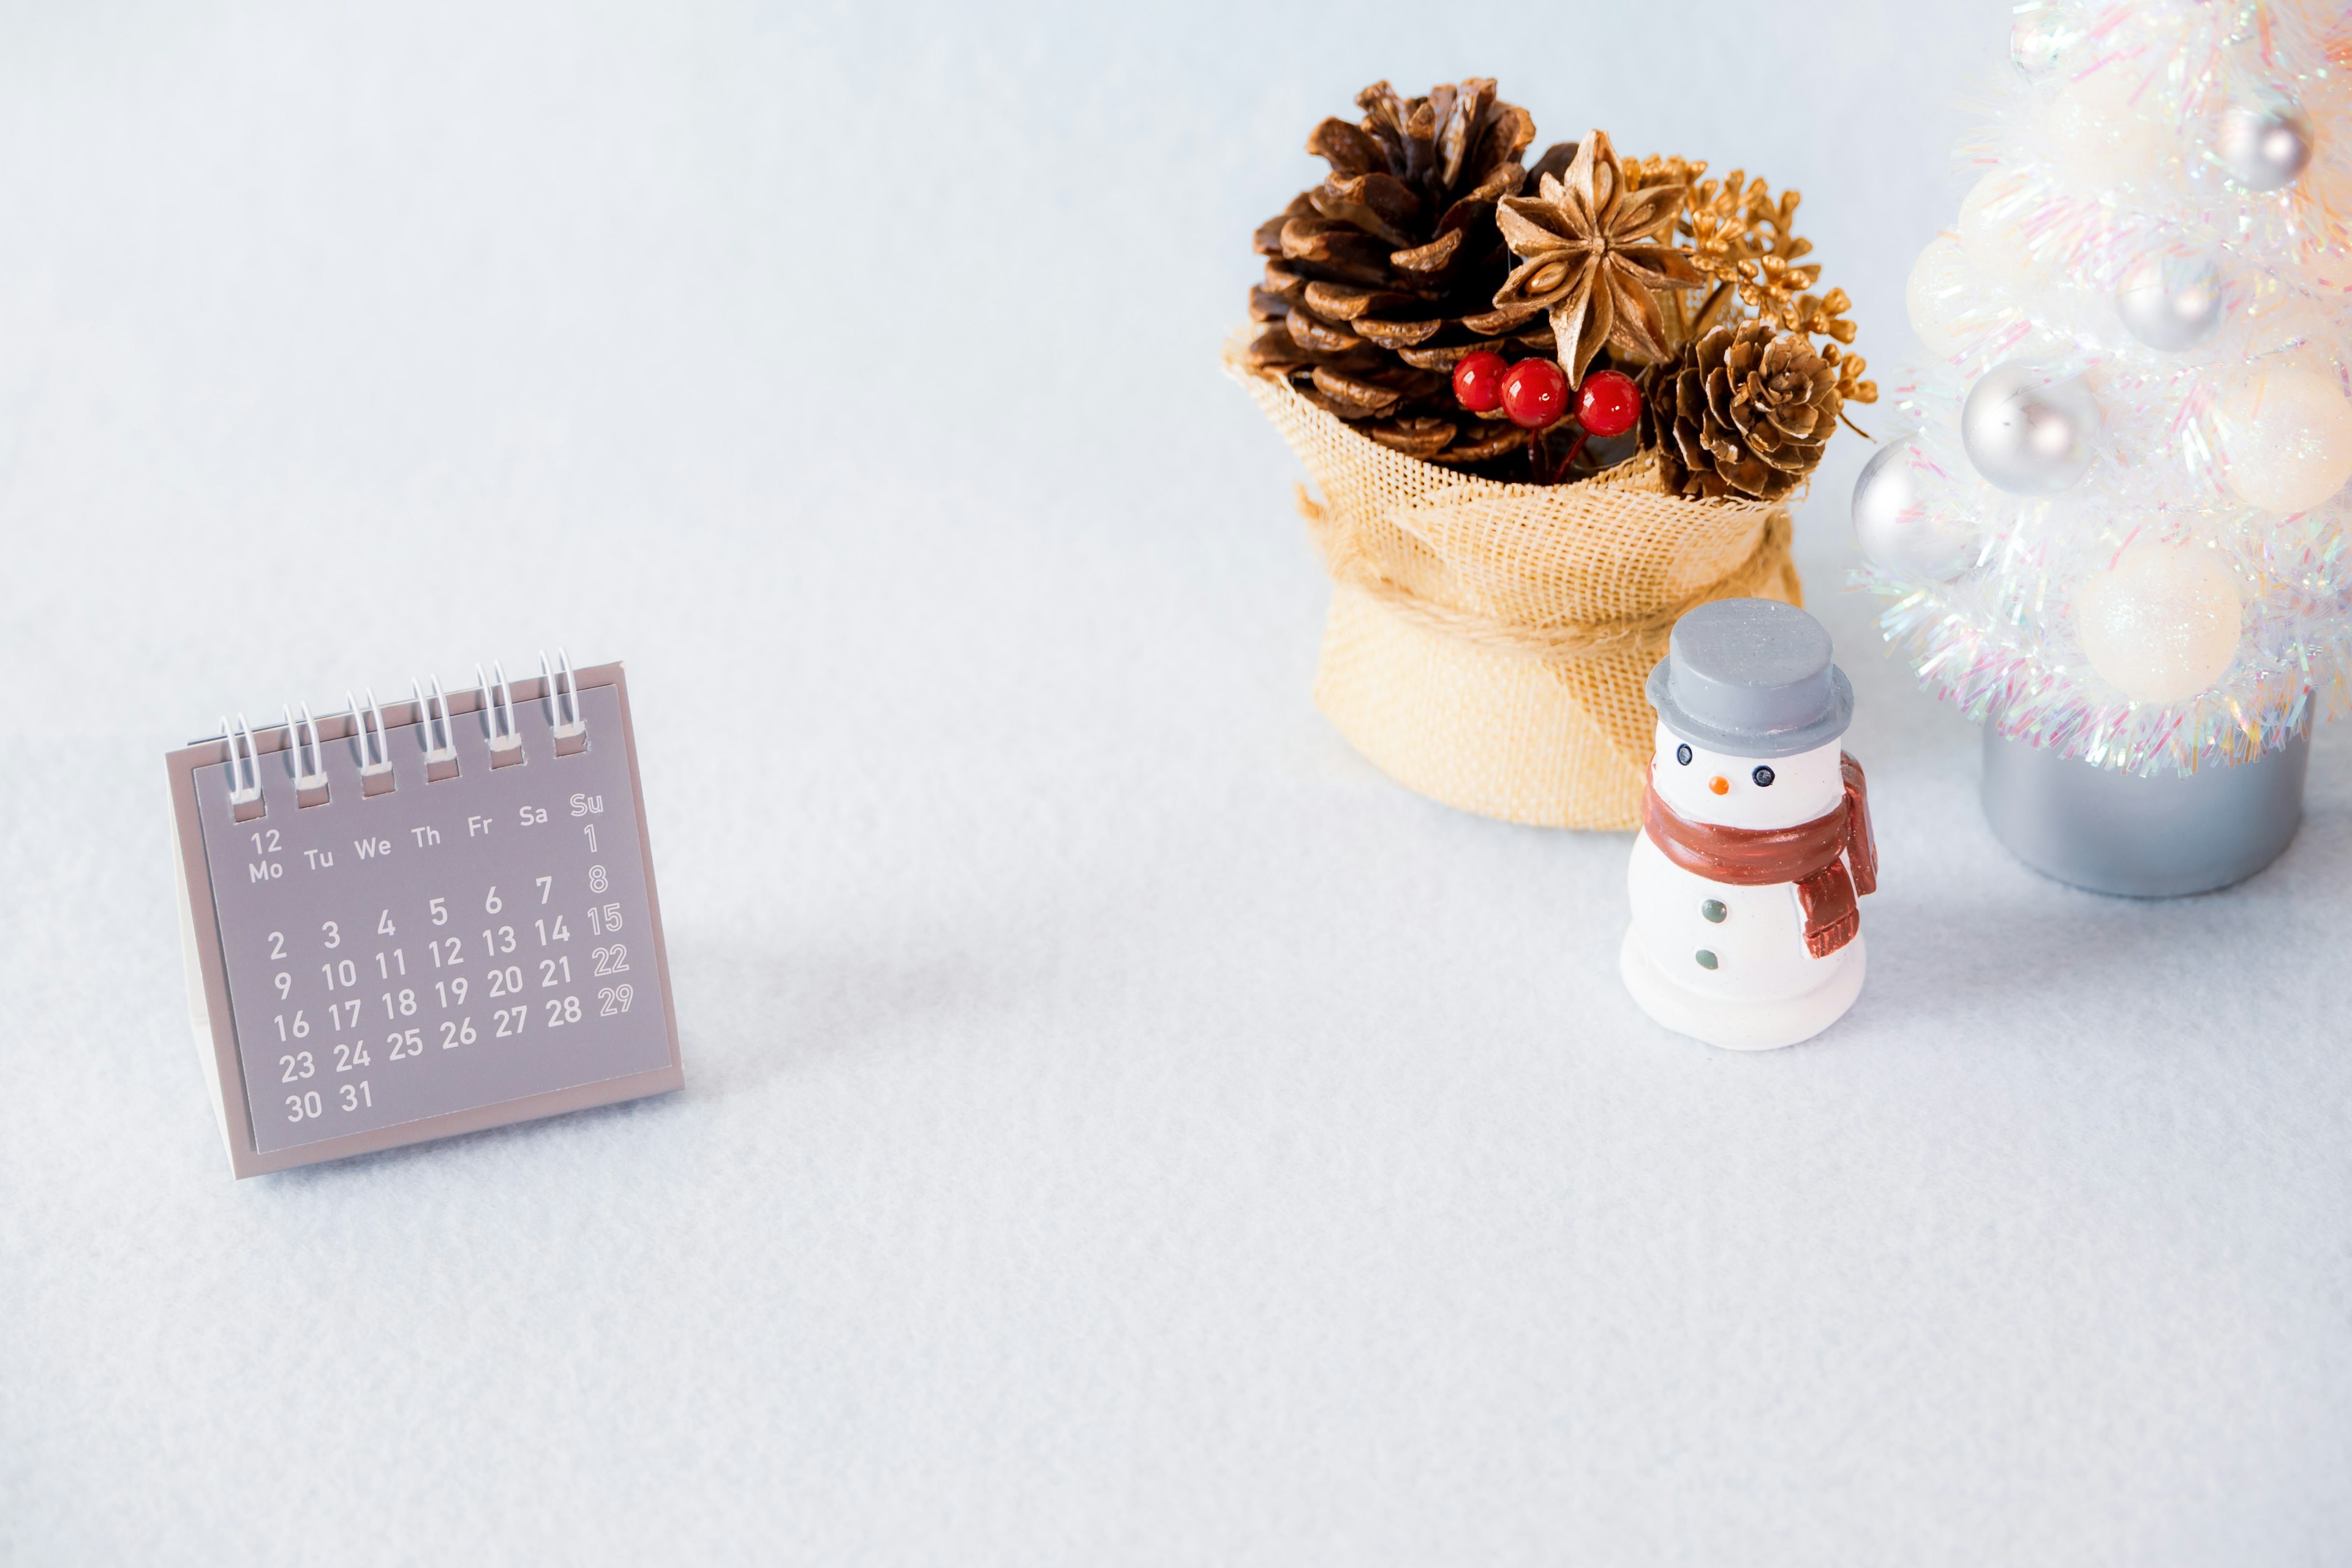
<point>2115,521</point>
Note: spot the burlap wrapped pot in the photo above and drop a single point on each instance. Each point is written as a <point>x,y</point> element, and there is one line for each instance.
<point>1487,643</point>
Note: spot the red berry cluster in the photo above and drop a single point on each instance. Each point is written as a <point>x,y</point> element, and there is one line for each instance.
<point>1534,394</point>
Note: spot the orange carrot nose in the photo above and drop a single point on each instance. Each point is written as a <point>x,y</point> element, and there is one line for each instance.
<point>1720,784</point>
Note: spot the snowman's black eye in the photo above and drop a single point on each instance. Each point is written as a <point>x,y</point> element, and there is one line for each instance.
<point>1763,777</point>
<point>1682,755</point>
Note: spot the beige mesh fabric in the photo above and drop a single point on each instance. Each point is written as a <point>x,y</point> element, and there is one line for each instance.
<point>1487,643</point>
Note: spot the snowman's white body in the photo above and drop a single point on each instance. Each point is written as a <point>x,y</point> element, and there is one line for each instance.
<point>1764,988</point>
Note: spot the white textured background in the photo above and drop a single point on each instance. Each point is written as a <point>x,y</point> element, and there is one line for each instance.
<point>1121,1126</point>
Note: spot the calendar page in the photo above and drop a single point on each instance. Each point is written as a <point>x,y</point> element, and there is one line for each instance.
<point>458,937</point>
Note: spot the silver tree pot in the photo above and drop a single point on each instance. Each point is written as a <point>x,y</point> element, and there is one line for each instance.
<point>2144,837</point>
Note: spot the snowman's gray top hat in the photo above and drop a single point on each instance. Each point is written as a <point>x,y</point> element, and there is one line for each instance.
<point>1753,677</point>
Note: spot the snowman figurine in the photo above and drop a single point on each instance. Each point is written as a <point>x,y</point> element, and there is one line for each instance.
<point>1755,839</point>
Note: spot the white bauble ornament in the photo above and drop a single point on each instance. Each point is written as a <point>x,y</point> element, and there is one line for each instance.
<point>1941,297</point>
<point>2039,35</point>
<point>1904,523</point>
<point>2161,625</point>
<point>2287,439</point>
<point>2264,145</point>
<point>2171,302</point>
<point>1988,225</point>
<point>2101,131</point>
<point>2028,434</point>
<point>1958,309</point>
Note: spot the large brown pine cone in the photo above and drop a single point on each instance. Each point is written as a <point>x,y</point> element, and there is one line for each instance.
<point>1743,413</point>
<point>1382,276</point>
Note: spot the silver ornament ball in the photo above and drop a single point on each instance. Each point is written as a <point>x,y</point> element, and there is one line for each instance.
<point>2027,433</point>
<point>2264,146</point>
<point>2171,302</point>
<point>1903,525</point>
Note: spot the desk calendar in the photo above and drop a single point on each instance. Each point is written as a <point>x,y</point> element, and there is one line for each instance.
<point>408,922</point>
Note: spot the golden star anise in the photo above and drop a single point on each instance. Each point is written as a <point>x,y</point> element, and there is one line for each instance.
<point>1592,248</point>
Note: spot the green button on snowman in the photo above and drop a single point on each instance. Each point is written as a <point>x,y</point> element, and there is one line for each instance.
<point>1755,844</point>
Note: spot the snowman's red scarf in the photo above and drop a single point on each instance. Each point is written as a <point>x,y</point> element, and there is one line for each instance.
<point>1813,855</point>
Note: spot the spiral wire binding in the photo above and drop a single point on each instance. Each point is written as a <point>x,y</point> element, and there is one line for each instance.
<point>441,759</point>
<point>246,767</point>
<point>370,734</point>
<point>498,716</point>
<point>374,752</point>
<point>310,754</point>
<point>561,686</point>
<point>374,755</point>
<point>563,690</point>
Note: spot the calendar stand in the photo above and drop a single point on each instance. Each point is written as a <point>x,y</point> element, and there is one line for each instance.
<point>404,924</point>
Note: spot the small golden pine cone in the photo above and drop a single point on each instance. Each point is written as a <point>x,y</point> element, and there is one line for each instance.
<point>1743,413</point>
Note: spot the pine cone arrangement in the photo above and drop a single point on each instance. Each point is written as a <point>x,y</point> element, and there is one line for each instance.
<point>1379,280</point>
<point>1744,412</point>
<point>1430,241</point>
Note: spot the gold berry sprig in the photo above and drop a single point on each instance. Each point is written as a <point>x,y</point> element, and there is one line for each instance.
<point>1744,240</point>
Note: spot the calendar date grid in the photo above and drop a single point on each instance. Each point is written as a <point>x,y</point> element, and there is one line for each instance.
<point>495,975</point>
